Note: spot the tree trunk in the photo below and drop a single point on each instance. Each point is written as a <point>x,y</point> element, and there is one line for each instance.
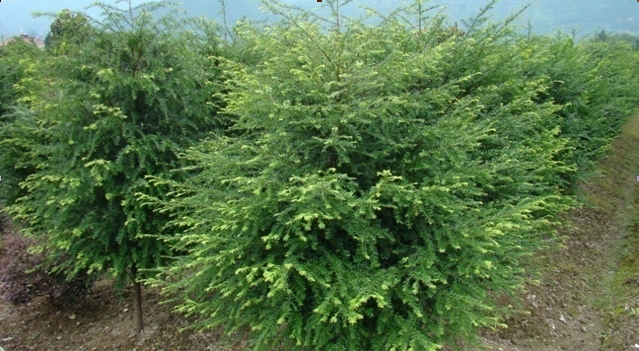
<point>137,292</point>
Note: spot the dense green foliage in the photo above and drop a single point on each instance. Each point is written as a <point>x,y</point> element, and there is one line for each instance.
<point>15,65</point>
<point>18,83</point>
<point>592,82</point>
<point>384,183</point>
<point>116,109</point>
<point>68,29</point>
<point>326,183</point>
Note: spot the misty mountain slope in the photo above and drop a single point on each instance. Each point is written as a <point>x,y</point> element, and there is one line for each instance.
<point>235,10</point>
<point>587,16</point>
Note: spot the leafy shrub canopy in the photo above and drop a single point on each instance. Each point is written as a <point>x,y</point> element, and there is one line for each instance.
<point>360,187</point>
<point>383,185</point>
<point>114,110</point>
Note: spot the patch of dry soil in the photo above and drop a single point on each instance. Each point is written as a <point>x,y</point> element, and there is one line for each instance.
<point>104,321</point>
<point>580,303</point>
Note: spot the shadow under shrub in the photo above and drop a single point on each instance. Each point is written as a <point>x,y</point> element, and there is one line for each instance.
<point>25,276</point>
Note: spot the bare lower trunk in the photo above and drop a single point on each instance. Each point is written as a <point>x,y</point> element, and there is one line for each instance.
<point>137,292</point>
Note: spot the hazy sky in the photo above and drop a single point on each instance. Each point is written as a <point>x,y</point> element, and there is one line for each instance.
<point>590,16</point>
<point>17,13</point>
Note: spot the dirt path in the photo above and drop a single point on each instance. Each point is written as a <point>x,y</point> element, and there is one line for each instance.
<point>583,298</point>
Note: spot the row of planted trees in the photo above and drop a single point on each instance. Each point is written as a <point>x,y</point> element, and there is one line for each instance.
<point>326,183</point>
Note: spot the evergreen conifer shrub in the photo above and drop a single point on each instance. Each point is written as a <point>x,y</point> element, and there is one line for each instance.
<point>593,83</point>
<point>19,78</point>
<point>15,64</point>
<point>112,111</point>
<point>68,29</point>
<point>382,185</point>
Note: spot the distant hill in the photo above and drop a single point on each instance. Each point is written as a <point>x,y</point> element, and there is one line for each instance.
<point>235,9</point>
<point>587,16</point>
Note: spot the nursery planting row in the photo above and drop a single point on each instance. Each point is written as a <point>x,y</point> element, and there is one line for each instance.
<point>320,183</point>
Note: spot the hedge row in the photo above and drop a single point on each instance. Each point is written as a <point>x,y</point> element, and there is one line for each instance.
<point>329,184</point>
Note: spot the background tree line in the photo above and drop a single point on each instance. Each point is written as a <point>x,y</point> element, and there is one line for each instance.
<point>323,182</point>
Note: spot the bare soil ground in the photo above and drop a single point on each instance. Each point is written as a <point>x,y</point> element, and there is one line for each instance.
<point>104,321</point>
<point>586,299</point>
<point>588,295</point>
